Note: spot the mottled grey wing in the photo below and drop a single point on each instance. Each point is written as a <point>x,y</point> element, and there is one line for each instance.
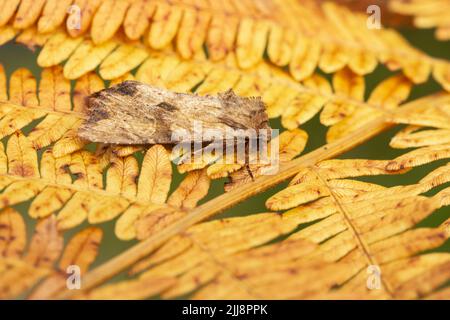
<point>127,114</point>
<point>136,113</point>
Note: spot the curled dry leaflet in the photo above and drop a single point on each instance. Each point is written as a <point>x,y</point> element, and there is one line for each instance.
<point>99,141</point>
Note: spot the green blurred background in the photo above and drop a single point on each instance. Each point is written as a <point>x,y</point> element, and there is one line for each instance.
<point>13,56</point>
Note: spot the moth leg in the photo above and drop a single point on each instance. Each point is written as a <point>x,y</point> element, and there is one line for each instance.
<point>249,171</point>
<point>247,159</point>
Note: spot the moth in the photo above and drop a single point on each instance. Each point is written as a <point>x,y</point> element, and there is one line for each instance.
<point>137,113</point>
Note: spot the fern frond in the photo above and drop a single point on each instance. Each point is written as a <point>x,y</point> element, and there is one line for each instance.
<point>426,14</point>
<point>413,136</point>
<point>22,271</point>
<point>344,109</point>
<point>80,251</point>
<point>129,290</point>
<point>72,186</point>
<point>59,126</point>
<point>228,258</point>
<point>330,36</point>
<point>336,227</point>
<point>399,203</point>
<point>313,183</point>
<point>62,120</point>
<point>70,181</point>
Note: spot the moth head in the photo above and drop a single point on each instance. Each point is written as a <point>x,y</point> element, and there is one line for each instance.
<point>253,107</point>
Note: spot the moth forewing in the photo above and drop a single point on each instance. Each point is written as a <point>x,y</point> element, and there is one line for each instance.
<point>137,113</point>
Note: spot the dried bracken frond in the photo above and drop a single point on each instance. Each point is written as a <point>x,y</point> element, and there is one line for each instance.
<point>319,181</point>
<point>73,185</point>
<point>336,231</point>
<point>130,289</point>
<point>245,30</point>
<point>21,271</point>
<point>343,109</point>
<point>69,180</point>
<point>81,252</point>
<point>427,14</point>
<point>228,258</point>
<point>353,227</point>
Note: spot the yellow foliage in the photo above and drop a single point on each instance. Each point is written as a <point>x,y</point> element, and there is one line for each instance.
<point>336,228</point>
